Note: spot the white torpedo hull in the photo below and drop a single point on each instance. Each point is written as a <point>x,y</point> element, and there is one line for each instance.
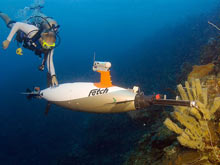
<point>89,98</point>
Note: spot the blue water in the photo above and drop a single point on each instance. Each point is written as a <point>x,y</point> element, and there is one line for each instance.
<point>137,36</point>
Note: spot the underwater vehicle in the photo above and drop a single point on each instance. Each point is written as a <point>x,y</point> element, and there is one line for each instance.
<point>102,97</point>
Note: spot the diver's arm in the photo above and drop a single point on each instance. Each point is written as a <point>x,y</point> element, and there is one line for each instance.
<point>26,28</point>
<point>30,30</point>
<point>14,30</point>
<point>50,67</point>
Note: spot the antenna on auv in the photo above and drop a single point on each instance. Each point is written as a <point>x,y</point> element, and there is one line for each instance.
<point>94,57</point>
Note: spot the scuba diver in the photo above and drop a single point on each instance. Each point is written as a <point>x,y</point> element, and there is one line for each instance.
<point>39,36</point>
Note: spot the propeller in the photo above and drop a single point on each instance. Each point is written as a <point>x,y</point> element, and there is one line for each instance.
<point>32,94</point>
<point>29,96</point>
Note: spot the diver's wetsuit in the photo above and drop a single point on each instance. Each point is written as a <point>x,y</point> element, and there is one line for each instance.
<point>31,31</point>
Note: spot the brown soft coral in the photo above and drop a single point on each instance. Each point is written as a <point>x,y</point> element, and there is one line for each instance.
<point>200,71</point>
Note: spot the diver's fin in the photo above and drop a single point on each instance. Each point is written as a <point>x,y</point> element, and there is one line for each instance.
<point>47,108</point>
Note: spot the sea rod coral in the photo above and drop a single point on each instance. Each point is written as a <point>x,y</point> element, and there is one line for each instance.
<point>197,127</point>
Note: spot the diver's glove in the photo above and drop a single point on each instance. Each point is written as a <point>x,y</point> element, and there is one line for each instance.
<point>54,81</point>
<point>41,67</point>
<point>5,44</point>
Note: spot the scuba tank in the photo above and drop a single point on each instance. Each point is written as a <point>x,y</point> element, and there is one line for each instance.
<point>43,22</point>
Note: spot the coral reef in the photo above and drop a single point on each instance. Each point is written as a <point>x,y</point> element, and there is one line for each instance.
<point>209,60</point>
<point>210,52</point>
<point>197,127</point>
<point>159,145</point>
<point>193,136</point>
<point>185,69</point>
<point>152,146</point>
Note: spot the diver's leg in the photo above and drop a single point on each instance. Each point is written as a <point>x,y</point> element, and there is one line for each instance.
<point>7,19</point>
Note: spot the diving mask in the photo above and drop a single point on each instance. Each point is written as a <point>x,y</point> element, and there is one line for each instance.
<point>45,45</point>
